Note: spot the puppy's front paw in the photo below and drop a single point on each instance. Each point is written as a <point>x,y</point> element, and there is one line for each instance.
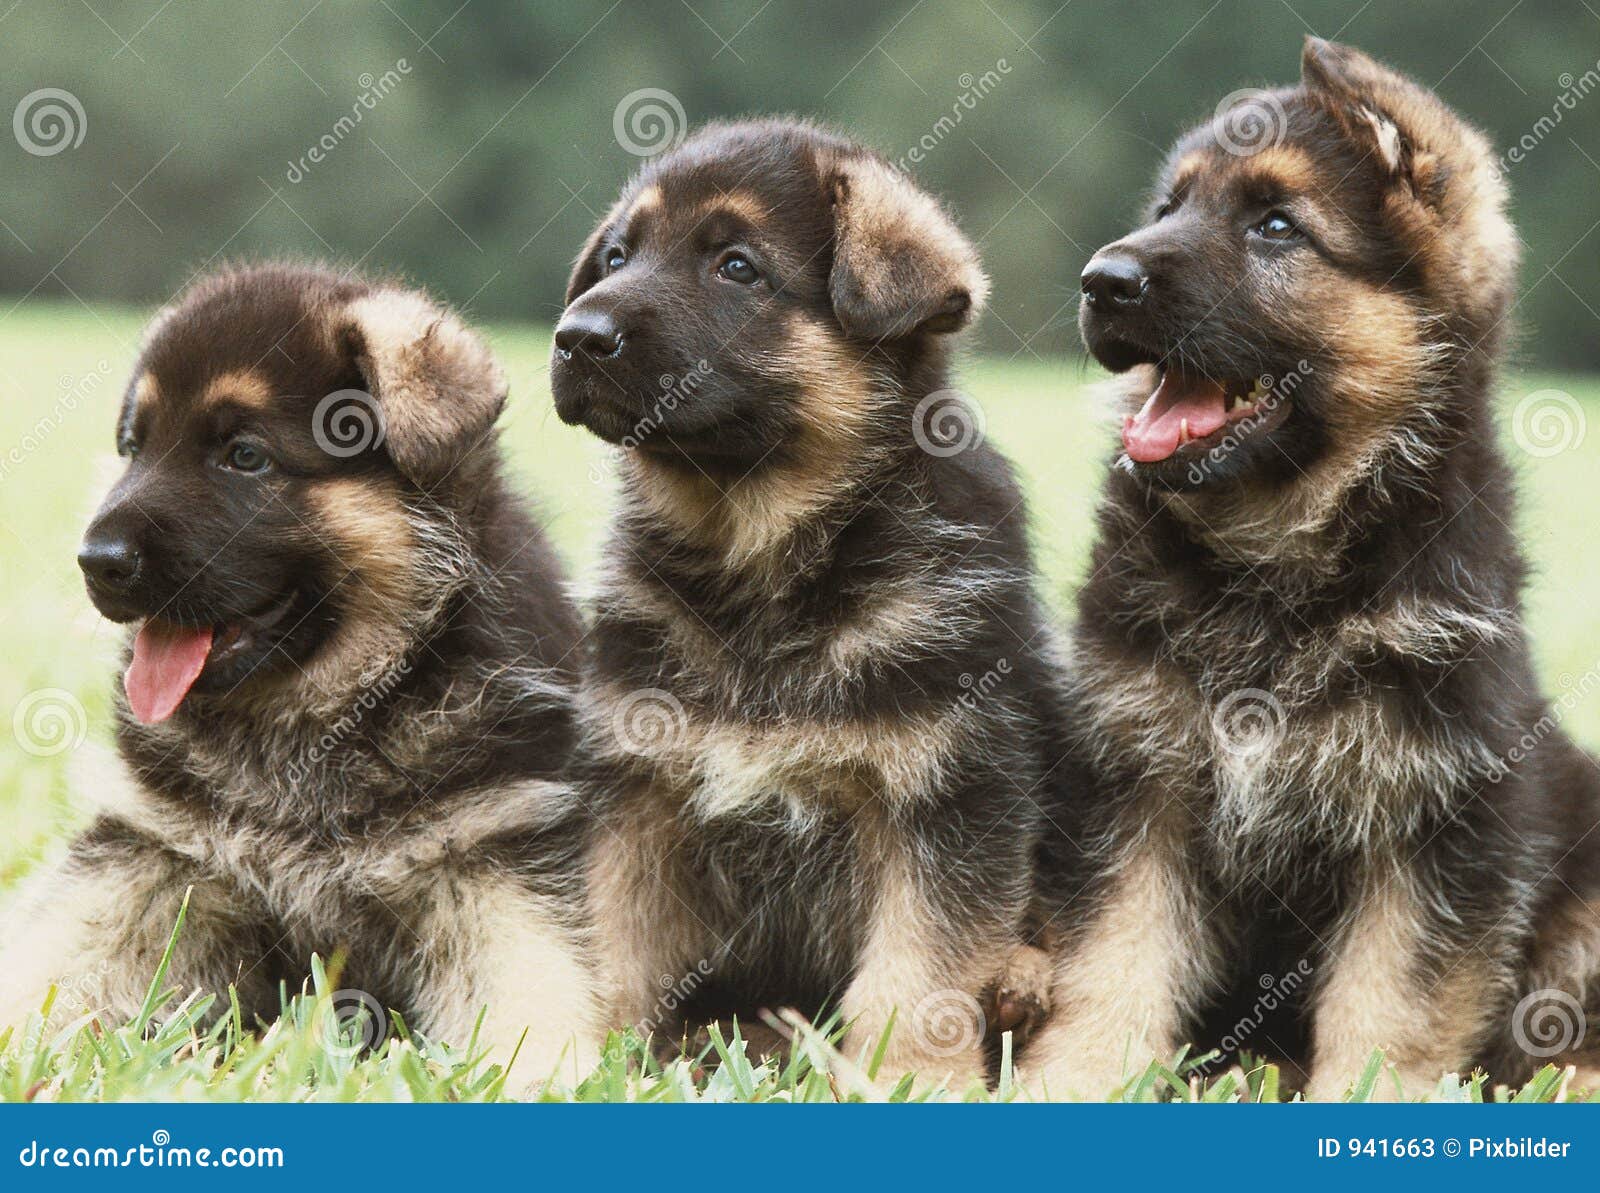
<point>1019,1000</point>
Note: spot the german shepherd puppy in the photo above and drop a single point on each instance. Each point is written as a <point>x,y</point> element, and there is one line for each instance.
<point>1300,665</point>
<point>821,688</point>
<point>347,699</point>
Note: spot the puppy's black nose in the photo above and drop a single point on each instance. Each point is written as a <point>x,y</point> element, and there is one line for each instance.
<point>110,562</point>
<point>1114,282</point>
<point>594,333</point>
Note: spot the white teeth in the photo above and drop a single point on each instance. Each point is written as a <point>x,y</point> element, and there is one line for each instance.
<point>1183,432</point>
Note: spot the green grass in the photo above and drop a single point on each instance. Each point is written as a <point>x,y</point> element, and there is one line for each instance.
<point>62,369</point>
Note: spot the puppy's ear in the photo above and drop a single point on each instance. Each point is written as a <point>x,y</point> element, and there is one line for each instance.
<point>437,386</point>
<point>586,268</point>
<point>1402,127</point>
<point>900,264</point>
<point>1446,192</point>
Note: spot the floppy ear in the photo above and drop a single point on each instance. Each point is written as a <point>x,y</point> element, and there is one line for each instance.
<point>1398,124</point>
<point>436,384</point>
<point>586,267</point>
<point>900,264</point>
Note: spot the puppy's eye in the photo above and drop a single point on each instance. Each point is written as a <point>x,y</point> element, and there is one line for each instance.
<point>737,268</point>
<point>128,449</point>
<point>1276,225</point>
<point>615,259</point>
<point>246,457</point>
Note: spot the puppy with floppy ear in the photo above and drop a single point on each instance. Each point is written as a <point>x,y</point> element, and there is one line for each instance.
<point>821,689</point>
<point>347,705</point>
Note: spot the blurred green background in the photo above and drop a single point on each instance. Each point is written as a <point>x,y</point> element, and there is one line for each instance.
<point>487,136</point>
<point>150,140</point>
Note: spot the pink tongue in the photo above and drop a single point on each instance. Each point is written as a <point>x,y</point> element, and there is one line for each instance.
<point>1153,433</point>
<point>167,659</point>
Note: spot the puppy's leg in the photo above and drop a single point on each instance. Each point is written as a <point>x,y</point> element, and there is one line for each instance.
<point>940,928</point>
<point>1125,977</point>
<point>492,947</point>
<point>1396,982</point>
<point>96,925</point>
<point>647,934</point>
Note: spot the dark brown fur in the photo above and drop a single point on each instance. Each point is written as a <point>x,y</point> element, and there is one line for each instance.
<point>375,770</point>
<point>1301,665</point>
<point>813,796</point>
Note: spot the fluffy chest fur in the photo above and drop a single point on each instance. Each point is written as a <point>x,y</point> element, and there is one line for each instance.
<point>1281,732</point>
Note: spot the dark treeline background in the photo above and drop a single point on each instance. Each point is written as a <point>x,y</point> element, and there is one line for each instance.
<point>488,143</point>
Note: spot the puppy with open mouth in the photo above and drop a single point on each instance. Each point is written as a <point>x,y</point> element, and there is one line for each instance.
<point>1303,691</point>
<point>821,694</point>
<point>347,700</point>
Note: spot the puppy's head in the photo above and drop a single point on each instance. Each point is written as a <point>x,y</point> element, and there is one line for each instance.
<point>736,301</point>
<point>1313,261</point>
<point>285,431</point>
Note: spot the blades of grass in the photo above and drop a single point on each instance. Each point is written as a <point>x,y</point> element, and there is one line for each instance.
<point>1178,1085</point>
<point>882,1049</point>
<point>1368,1081</point>
<point>1542,1088</point>
<point>1144,1089</point>
<point>1223,1089</point>
<point>1268,1093</point>
<point>737,1067</point>
<point>153,997</point>
<point>1004,1087</point>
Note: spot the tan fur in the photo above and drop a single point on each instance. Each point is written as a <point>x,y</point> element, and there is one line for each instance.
<point>904,973</point>
<point>238,388</point>
<point>646,202</point>
<point>646,935</point>
<point>367,527</point>
<point>439,387</point>
<point>897,250</point>
<point>1124,979</point>
<point>98,932</point>
<point>1373,998</point>
<point>146,394</point>
<point>724,767</point>
<point>495,950</point>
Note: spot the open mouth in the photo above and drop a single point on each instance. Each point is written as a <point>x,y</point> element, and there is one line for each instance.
<point>168,658</point>
<point>1189,416</point>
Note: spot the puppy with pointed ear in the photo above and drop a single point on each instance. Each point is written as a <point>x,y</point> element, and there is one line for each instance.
<point>901,267</point>
<point>437,385</point>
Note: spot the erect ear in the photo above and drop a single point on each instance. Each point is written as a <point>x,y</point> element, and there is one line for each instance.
<point>438,388</point>
<point>900,264</point>
<point>1397,123</point>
